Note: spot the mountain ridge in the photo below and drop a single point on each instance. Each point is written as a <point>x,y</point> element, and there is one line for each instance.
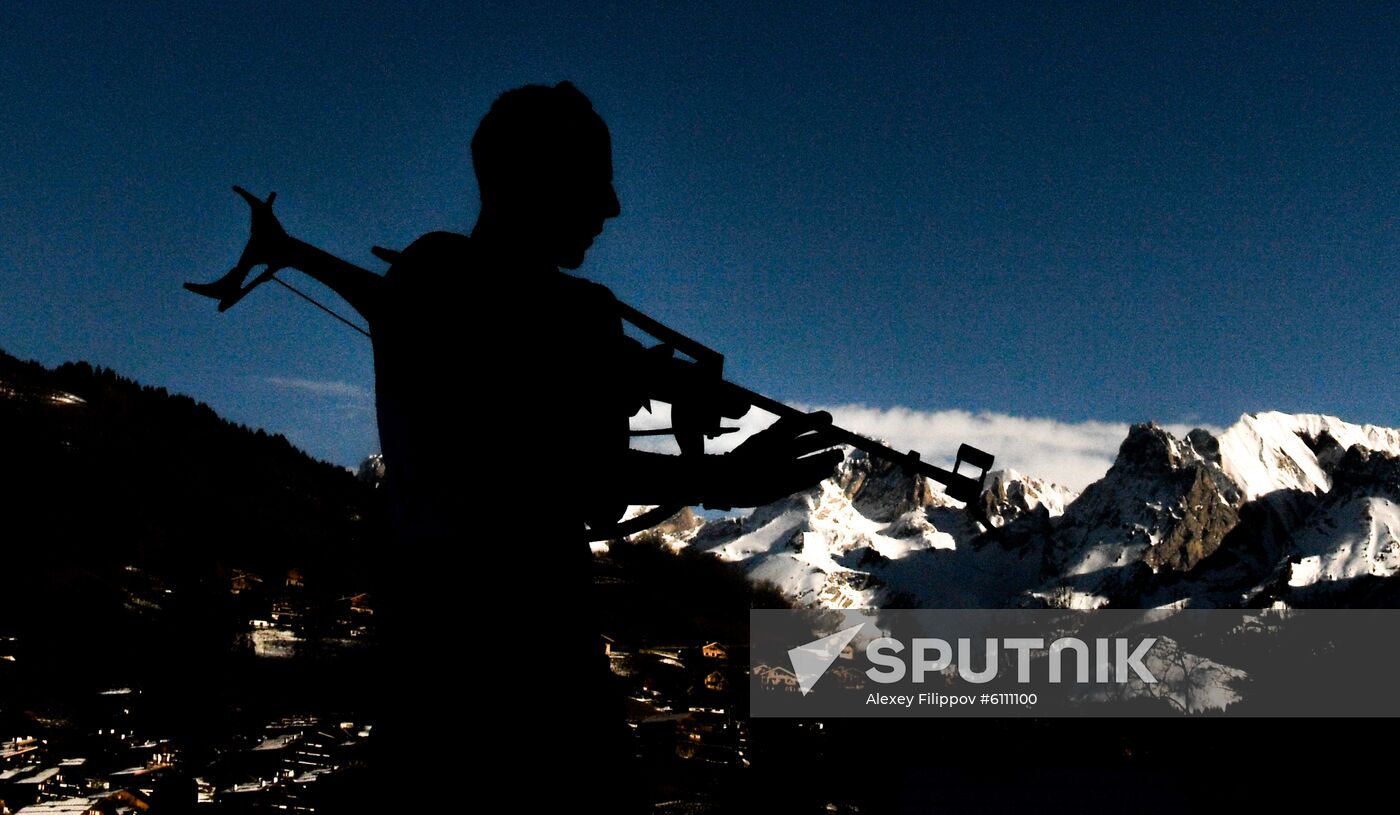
<point>1247,517</point>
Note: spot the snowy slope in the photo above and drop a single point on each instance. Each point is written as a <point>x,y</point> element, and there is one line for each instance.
<point>1360,537</point>
<point>817,546</point>
<point>872,535</point>
<point>1264,452</point>
<point>1354,532</point>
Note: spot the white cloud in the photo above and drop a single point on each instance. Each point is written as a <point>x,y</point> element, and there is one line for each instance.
<point>1073,454</point>
<point>318,387</point>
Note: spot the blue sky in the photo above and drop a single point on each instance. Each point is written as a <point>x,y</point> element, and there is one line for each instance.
<point>1076,213</point>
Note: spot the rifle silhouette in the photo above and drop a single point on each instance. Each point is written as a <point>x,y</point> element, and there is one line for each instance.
<point>699,396</point>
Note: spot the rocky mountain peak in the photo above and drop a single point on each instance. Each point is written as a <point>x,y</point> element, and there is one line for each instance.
<point>1010,495</point>
<point>1150,450</point>
<point>883,491</point>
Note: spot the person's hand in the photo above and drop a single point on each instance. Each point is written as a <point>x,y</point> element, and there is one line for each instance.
<point>790,455</point>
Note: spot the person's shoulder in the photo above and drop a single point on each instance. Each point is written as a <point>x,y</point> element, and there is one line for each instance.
<point>436,246</point>
<point>585,290</point>
<point>426,265</point>
<point>576,307</point>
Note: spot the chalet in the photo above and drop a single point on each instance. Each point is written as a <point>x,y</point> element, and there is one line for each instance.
<point>360,604</point>
<point>121,802</point>
<point>41,780</point>
<point>319,751</point>
<point>242,581</point>
<point>714,650</point>
<point>355,613</point>
<point>779,678</point>
<point>18,751</point>
<point>25,785</point>
<point>285,612</point>
<point>67,806</point>
<point>671,655</point>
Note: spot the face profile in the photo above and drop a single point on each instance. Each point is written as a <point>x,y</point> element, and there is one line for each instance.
<point>582,200</point>
<point>543,161</point>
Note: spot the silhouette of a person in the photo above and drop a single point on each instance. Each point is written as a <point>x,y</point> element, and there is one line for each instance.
<point>503,390</point>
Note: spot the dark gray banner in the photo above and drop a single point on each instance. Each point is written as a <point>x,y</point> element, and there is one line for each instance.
<point>1194,662</point>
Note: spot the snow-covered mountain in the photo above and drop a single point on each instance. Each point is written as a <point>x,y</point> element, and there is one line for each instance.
<point>872,535</point>
<point>1164,504</point>
<point>1266,452</point>
<point>1300,509</point>
<point>1352,536</point>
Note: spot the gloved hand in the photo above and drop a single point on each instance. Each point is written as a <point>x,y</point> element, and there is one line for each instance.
<point>790,455</point>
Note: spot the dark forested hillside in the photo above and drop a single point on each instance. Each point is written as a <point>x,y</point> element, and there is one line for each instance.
<point>94,463</point>
<point>120,501</point>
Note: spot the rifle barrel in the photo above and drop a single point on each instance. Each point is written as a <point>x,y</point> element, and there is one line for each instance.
<point>959,486</point>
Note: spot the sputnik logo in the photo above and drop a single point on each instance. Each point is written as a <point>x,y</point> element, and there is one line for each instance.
<point>811,661</point>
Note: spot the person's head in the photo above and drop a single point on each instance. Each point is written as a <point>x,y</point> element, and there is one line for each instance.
<point>543,162</point>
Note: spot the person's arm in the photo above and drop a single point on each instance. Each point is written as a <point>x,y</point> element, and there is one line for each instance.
<point>270,245</point>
